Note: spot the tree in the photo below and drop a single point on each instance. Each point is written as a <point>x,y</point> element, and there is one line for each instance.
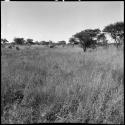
<point>73,41</point>
<point>44,43</point>
<point>29,41</point>
<point>63,43</point>
<point>36,42</point>
<point>116,31</point>
<point>102,37</point>
<point>87,38</point>
<point>51,44</point>
<point>4,41</point>
<point>19,41</point>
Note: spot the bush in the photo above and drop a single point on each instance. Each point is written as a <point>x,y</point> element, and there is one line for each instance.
<point>10,47</point>
<point>17,48</point>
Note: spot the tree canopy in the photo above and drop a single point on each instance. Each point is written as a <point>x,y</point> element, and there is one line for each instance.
<point>87,37</point>
<point>61,42</point>
<point>116,31</point>
<point>73,40</point>
<point>19,41</point>
<point>4,41</point>
<point>29,41</point>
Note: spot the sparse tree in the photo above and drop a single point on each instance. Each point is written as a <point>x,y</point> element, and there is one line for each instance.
<point>116,30</point>
<point>86,38</point>
<point>29,41</point>
<point>63,43</point>
<point>44,43</point>
<point>4,41</point>
<point>19,41</point>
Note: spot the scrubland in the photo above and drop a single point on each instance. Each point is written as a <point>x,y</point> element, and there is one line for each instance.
<point>46,85</point>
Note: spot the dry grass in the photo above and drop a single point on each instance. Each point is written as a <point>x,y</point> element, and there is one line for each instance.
<point>62,85</point>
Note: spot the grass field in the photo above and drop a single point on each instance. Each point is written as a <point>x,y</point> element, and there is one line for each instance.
<point>42,85</point>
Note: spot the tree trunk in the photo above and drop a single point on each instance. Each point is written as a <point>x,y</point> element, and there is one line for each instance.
<point>117,40</point>
<point>84,48</point>
<point>116,43</point>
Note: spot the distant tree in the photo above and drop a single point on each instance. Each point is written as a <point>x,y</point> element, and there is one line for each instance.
<point>19,41</point>
<point>86,38</point>
<point>116,30</point>
<point>44,43</point>
<point>50,42</point>
<point>37,43</point>
<point>4,41</point>
<point>63,43</point>
<point>29,41</point>
<point>55,44</point>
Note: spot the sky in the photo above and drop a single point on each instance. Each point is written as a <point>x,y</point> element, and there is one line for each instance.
<point>56,20</point>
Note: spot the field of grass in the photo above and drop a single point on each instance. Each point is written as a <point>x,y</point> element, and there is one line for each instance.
<point>43,85</point>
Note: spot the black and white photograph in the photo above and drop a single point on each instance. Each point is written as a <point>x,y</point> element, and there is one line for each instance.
<point>62,62</point>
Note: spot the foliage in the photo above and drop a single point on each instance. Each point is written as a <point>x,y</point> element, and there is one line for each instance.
<point>44,43</point>
<point>116,30</point>
<point>73,41</point>
<point>50,42</point>
<point>4,41</point>
<point>86,37</point>
<point>61,43</point>
<point>102,37</point>
<point>19,41</point>
<point>29,41</point>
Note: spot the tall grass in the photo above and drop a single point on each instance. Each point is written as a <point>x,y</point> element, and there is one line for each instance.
<point>62,85</point>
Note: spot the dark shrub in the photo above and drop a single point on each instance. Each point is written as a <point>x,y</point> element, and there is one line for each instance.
<point>10,47</point>
<point>17,48</point>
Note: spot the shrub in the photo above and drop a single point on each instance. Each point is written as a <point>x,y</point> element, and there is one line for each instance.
<point>17,48</point>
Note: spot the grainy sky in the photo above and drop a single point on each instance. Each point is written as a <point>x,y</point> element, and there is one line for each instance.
<point>56,20</point>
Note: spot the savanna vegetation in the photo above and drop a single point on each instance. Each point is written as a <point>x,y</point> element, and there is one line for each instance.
<point>65,84</point>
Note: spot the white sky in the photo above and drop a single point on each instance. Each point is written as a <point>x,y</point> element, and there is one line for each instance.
<point>56,20</point>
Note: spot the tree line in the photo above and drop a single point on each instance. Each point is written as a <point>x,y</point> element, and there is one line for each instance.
<point>22,41</point>
<point>87,38</point>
